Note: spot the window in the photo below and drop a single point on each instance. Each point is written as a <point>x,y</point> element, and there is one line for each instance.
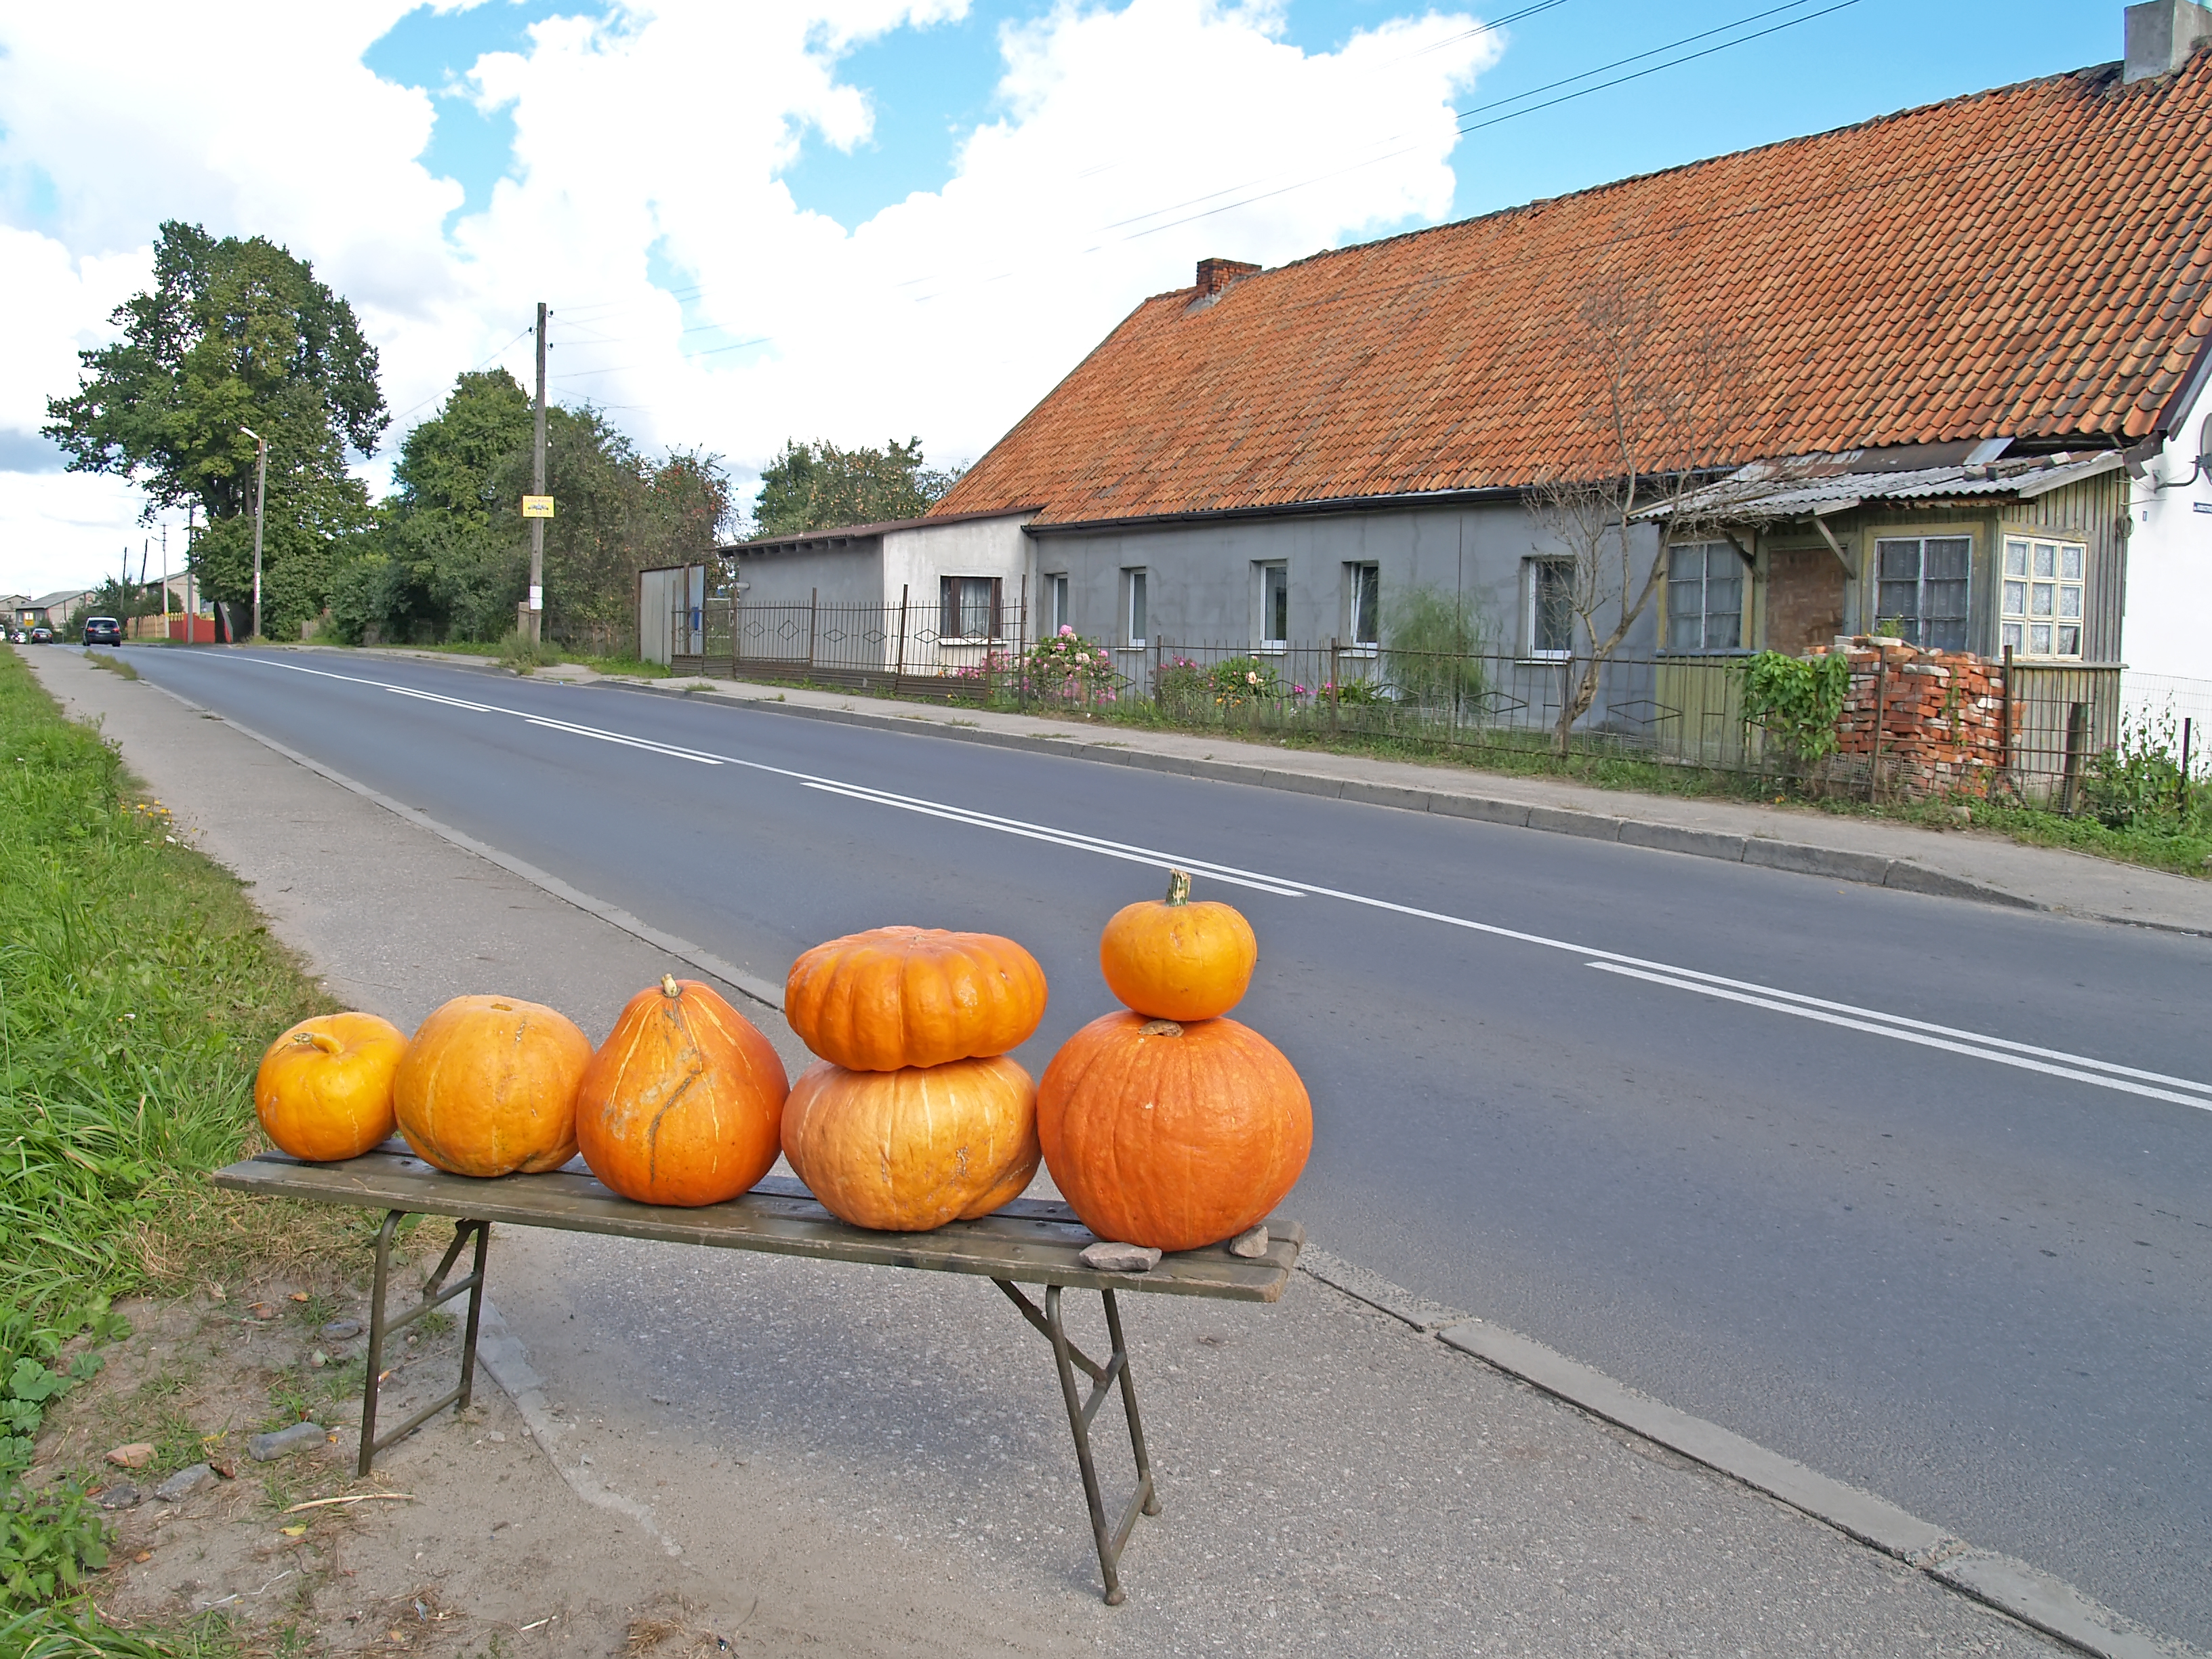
<point>969,608</point>
<point>1550,607</point>
<point>1133,614</point>
<point>1704,598</point>
<point>2041,615</point>
<point>1055,603</point>
<point>1921,587</point>
<point>1274,607</point>
<point>1363,604</point>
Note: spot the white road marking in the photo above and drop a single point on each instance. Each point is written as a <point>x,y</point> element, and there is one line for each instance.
<point>2002,1051</point>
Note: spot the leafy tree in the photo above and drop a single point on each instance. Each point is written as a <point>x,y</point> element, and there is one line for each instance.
<point>235,332</point>
<point>817,486</point>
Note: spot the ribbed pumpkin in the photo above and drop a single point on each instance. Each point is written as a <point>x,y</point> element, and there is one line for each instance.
<point>909,1149</point>
<point>488,1087</point>
<point>1172,1136</point>
<point>683,1104</point>
<point>324,1092</point>
<point>913,996</point>
<point>1177,960</point>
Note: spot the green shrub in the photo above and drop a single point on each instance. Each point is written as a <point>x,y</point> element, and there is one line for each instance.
<point>1432,649</point>
<point>1796,699</point>
<point>2139,785</point>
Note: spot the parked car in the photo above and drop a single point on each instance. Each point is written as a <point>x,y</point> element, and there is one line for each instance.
<point>102,630</point>
<point>42,636</point>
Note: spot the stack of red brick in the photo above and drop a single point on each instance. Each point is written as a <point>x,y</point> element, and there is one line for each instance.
<point>1936,718</point>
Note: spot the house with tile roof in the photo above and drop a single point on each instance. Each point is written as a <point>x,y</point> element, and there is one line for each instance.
<point>1962,359</point>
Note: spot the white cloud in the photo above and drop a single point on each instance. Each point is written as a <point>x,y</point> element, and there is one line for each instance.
<point>1129,141</point>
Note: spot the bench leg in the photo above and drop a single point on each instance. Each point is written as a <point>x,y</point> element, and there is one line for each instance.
<point>1069,1359</point>
<point>435,1293</point>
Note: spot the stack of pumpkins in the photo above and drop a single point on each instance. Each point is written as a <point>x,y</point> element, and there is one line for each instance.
<point>1165,1126</point>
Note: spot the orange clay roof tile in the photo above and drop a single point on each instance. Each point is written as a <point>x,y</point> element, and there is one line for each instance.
<point>2030,261</point>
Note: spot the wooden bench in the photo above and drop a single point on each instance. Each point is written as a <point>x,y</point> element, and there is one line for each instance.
<point>1030,1241</point>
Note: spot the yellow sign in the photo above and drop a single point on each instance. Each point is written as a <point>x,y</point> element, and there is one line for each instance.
<point>537,507</point>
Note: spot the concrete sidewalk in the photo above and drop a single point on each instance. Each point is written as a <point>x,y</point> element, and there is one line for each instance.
<point>877,1459</point>
<point>1971,864</point>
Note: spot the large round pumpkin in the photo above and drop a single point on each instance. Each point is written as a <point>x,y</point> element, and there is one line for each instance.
<point>909,1149</point>
<point>1175,960</point>
<point>913,996</point>
<point>683,1102</point>
<point>488,1087</point>
<point>1172,1136</point>
<point>324,1092</point>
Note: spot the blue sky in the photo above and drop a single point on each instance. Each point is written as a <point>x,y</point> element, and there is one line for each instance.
<point>929,86</point>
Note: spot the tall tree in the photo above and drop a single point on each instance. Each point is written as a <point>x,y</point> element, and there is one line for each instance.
<point>818,486</point>
<point>235,332</point>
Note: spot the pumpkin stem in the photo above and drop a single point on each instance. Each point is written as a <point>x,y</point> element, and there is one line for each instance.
<point>1178,887</point>
<point>1159,1028</point>
<point>668,985</point>
<point>323,1040</point>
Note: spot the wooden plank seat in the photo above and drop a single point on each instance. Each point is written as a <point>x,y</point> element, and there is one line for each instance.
<point>1030,1242</point>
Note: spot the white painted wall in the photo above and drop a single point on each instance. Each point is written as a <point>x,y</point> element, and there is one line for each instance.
<point>2168,627</point>
<point>972,547</point>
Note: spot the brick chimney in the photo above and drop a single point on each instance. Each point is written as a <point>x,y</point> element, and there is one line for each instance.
<point>1214,274</point>
<point>2160,35</point>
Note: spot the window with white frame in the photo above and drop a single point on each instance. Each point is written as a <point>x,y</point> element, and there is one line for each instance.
<point>1550,619</point>
<point>1704,598</point>
<point>1133,621</point>
<point>1055,603</point>
<point>967,608</point>
<point>1921,589</point>
<point>2040,614</point>
<point>1362,604</point>
<point>1274,607</point>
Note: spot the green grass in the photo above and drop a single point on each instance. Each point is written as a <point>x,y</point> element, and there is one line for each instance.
<point>112,664</point>
<point>512,653</point>
<point>137,990</point>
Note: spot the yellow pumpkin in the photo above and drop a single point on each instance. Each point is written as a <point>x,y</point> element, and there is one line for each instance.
<point>1177,960</point>
<point>683,1102</point>
<point>913,996</point>
<point>910,1150</point>
<point>487,1087</point>
<point>324,1090</point>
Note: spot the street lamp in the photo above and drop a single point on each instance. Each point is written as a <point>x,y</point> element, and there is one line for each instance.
<point>260,500</point>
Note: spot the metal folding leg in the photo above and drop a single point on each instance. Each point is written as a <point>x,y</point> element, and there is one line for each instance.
<point>1069,1359</point>
<point>380,1328</point>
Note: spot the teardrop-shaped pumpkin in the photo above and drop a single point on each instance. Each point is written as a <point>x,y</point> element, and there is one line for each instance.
<point>324,1092</point>
<point>910,1150</point>
<point>683,1103</point>
<point>1169,1135</point>
<point>1175,960</point>
<point>913,996</point>
<point>488,1087</point>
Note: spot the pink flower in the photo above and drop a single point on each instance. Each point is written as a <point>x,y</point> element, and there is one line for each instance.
<point>1066,632</point>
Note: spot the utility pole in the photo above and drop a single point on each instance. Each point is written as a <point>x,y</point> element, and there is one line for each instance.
<point>165,583</point>
<point>260,501</point>
<point>537,488</point>
<point>191,525</point>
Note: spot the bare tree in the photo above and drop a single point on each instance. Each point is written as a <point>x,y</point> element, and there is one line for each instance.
<point>1666,411</point>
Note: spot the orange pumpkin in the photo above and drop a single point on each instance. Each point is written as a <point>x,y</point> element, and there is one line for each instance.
<point>906,1151</point>
<point>683,1102</point>
<point>1177,960</point>
<point>1172,1136</point>
<point>488,1087</point>
<point>913,996</point>
<point>324,1092</point>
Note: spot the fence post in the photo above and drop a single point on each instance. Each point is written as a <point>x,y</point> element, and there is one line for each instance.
<point>2077,739</point>
<point>899,672</point>
<point>2181,791</point>
<point>1021,646</point>
<point>2004,724</point>
<point>1880,718</point>
<point>813,617</point>
<point>1335,679</point>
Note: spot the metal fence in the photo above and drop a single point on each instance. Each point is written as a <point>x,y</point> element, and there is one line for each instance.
<point>1680,711</point>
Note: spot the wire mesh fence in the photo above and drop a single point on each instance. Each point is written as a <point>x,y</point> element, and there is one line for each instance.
<point>1685,711</point>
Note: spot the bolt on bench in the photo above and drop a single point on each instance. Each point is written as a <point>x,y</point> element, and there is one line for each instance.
<point>1030,1241</point>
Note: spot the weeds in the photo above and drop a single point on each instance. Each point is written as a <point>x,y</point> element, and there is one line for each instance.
<point>112,664</point>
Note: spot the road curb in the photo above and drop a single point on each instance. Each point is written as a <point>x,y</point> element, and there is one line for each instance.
<point>2013,1588</point>
<point>1796,857</point>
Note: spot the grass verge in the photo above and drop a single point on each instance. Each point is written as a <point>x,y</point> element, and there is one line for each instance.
<point>137,990</point>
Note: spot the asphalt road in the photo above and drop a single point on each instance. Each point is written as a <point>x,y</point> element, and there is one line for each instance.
<point>1664,1114</point>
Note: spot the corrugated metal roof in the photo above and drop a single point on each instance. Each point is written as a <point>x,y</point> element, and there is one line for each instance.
<point>1768,491</point>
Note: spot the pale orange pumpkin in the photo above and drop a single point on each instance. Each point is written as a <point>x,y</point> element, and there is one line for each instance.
<point>909,1149</point>
<point>913,996</point>
<point>324,1090</point>
<point>1177,960</point>
<point>683,1102</point>
<point>487,1087</point>
<point>1169,1135</point>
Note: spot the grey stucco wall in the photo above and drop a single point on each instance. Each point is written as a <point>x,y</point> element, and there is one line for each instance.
<point>852,574</point>
<point>1203,582</point>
